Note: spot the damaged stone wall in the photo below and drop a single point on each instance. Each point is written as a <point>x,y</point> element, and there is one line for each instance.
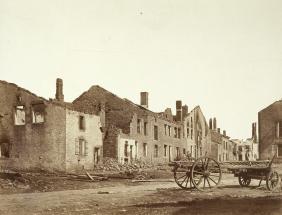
<point>122,118</point>
<point>32,145</point>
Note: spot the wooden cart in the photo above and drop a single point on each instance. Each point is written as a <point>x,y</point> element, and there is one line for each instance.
<point>202,174</point>
<point>260,170</point>
<point>205,173</point>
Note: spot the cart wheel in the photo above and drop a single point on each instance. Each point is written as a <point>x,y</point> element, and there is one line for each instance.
<point>182,177</point>
<point>206,173</point>
<point>244,181</point>
<point>272,180</point>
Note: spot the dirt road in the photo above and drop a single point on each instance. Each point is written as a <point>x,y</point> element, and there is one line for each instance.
<point>146,198</point>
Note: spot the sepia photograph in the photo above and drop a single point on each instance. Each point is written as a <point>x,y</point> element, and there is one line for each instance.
<point>140,107</point>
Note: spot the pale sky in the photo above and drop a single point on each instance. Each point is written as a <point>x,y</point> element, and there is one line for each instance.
<point>224,55</point>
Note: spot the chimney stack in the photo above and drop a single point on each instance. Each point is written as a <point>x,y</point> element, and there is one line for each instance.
<point>254,132</point>
<point>214,123</point>
<point>144,99</point>
<point>218,130</point>
<point>59,90</point>
<point>178,110</point>
<point>210,124</point>
<point>224,133</point>
<point>184,110</point>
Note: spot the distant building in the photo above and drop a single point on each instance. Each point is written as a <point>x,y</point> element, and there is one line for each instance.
<point>270,131</point>
<point>36,133</point>
<point>222,148</point>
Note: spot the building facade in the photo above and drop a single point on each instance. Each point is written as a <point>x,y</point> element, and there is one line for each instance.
<point>133,131</point>
<point>36,133</point>
<point>270,131</point>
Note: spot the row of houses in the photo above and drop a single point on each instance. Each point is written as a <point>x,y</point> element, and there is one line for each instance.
<point>57,135</point>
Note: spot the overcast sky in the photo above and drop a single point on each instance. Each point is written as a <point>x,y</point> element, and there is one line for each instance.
<point>224,55</point>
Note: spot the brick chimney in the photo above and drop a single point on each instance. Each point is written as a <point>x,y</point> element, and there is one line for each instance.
<point>254,132</point>
<point>144,99</point>
<point>218,130</point>
<point>224,133</point>
<point>179,110</point>
<point>59,90</point>
<point>214,123</point>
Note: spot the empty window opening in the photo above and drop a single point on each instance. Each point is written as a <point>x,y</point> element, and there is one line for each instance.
<point>38,113</point>
<point>279,153</point>
<point>4,150</point>
<point>179,133</point>
<point>82,123</point>
<point>279,129</point>
<point>165,150</point>
<point>145,150</point>
<point>138,126</point>
<point>156,135</point>
<point>126,149</point>
<point>20,115</point>
<point>156,151</point>
<point>145,128</point>
<point>97,155</point>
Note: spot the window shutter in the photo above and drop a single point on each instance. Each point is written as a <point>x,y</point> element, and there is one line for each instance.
<point>76,146</point>
<point>86,148</point>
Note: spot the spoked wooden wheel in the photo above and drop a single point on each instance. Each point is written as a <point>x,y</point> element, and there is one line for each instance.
<point>182,177</point>
<point>244,180</point>
<point>206,173</point>
<point>272,180</point>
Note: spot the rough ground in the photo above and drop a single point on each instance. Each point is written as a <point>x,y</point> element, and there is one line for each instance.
<point>125,197</point>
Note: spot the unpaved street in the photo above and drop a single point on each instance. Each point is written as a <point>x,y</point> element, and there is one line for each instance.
<point>147,198</point>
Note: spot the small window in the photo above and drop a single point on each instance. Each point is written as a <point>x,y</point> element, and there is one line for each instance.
<point>165,150</point>
<point>179,133</point>
<point>82,123</point>
<point>126,149</point>
<point>138,126</point>
<point>279,150</point>
<point>81,147</point>
<point>131,152</point>
<point>165,128</point>
<point>20,115</point>
<point>177,152</point>
<point>145,150</point>
<point>188,129</point>
<point>175,132</point>
<point>145,128</point>
<point>279,129</point>
<point>156,151</point>
<point>4,150</point>
<point>169,130</point>
<point>156,135</point>
<point>184,151</point>
<point>37,113</point>
<point>97,155</point>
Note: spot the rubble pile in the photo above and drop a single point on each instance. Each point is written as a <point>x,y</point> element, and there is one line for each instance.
<point>137,169</point>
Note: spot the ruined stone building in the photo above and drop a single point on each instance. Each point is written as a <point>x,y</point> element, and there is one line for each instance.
<point>132,131</point>
<point>270,131</point>
<point>36,133</point>
<point>196,132</point>
<point>222,148</point>
<point>56,135</point>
